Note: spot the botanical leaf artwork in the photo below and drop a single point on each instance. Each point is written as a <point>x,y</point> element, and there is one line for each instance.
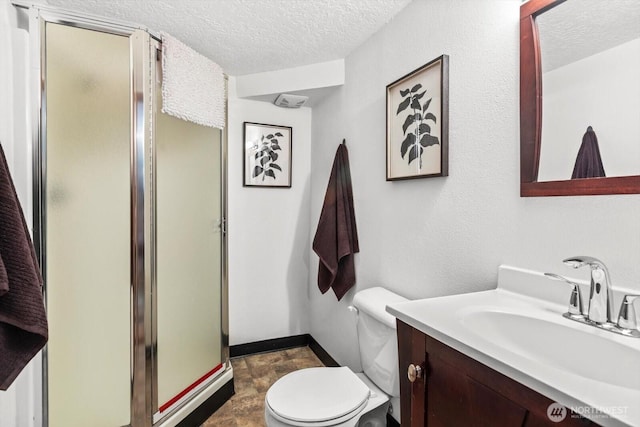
<point>416,128</point>
<point>266,156</point>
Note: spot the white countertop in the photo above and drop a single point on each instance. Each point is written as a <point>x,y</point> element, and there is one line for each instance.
<point>553,370</point>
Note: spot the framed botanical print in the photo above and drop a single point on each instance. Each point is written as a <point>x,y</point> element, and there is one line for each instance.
<point>418,121</point>
<point>267,155</point>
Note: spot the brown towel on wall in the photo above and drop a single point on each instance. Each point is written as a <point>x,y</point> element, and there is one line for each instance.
<point>336,239</point>
<point>588,162</point>
<point>23,322</point>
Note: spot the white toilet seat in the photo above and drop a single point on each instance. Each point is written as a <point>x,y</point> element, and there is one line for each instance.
<point>317,397</point>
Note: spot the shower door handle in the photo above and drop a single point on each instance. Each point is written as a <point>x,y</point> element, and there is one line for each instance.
<point>221,225</point>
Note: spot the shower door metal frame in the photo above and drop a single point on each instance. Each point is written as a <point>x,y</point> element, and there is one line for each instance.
<point>39,17</point>
<point>142,320</point>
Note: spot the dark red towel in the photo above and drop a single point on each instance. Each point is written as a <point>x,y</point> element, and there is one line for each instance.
<point>23,323</point>
<point>336,239</point>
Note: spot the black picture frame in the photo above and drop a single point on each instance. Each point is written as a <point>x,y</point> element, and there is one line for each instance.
<point>267,155</point>
<point>417,122</point>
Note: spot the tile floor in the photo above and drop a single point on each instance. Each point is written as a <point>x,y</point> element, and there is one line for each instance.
<point>253,375</point>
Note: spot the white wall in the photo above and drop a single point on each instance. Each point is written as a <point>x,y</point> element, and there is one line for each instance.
<point>21,404</point>
<point>602,91</point>
<point>268,232</point>
<point>437,236</point>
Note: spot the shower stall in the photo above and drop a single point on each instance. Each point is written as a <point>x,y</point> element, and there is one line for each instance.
<point>129,226</point>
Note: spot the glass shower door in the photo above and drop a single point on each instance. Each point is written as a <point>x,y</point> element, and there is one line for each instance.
<point>188,256</point>
<point>88,226</point>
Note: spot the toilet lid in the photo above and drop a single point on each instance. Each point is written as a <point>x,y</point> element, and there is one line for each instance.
<point>317,394</point>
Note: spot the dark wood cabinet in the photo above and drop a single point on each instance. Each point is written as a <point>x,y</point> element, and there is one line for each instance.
<point>453,390</point>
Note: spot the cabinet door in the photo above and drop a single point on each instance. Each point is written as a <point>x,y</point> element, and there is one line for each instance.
<point>455,399</point>
<point>411,350</point>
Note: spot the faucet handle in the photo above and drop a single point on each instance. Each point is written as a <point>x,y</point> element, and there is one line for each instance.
<point>627,317</point>
<point>575,301</point>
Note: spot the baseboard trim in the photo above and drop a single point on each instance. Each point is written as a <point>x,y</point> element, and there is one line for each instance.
<point>391,422</point>
<point>209,406</point>
<point>264,346</point>
<point>283,343</point>
<point>322,353</point>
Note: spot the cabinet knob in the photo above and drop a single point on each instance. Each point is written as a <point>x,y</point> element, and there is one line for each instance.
<point>414,372</point>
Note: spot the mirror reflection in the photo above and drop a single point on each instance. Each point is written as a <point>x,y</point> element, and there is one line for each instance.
<point>590,55</point>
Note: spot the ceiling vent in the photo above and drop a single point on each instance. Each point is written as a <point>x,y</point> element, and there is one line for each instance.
<point>286,100</point>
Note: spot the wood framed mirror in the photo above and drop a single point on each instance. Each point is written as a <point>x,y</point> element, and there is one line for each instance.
<point>620,121</point>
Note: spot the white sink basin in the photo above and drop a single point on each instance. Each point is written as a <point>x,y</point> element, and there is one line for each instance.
<point>518,330</point>
<point>560,345</point>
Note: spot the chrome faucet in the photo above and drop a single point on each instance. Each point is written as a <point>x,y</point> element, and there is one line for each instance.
<point>599,312</point>
<point>600,296</point>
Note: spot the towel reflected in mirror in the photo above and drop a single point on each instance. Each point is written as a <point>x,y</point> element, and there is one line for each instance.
<point>588,162</point>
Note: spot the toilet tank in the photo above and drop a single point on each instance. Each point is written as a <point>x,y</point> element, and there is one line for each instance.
<point>377,338</point>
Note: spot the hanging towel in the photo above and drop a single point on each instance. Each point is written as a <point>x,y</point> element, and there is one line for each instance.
<point>23,323</point>
<point>336,239</point>
<point>588,162</point>
<point>192,86</point>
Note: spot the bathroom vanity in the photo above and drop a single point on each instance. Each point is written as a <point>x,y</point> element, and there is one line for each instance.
<point>508,357</point>
<point>456,390</point>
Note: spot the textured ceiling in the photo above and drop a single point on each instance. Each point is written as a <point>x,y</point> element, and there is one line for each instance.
<point>577,29</point>
<point>250,36</point>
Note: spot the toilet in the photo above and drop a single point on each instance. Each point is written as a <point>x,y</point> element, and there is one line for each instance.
<point>339,397</point>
